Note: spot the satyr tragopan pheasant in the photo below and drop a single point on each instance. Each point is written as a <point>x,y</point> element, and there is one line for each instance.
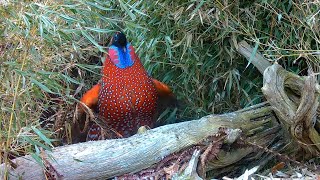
<point>126,97</point>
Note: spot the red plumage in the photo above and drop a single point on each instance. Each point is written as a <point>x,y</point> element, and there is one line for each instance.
<point>128,97</point>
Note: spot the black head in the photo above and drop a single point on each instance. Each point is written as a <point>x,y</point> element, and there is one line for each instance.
<point>119,40</point>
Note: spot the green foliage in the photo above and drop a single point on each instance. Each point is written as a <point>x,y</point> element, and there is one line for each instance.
<point>47,51</point>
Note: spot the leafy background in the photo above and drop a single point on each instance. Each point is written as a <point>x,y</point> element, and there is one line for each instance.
<point>51,53</point>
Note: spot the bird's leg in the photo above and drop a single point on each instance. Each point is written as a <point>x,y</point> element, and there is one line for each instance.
<point>82,109</point>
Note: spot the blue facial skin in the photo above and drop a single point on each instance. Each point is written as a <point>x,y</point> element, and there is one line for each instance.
<point>125,59</point>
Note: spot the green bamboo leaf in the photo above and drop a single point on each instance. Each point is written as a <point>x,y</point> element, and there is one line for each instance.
<point>37,158</point>
<point>133,25</point>
<point>99,30</point>
<point>137,10</point>
<point>36,143</point>
<point>27,23</point>
<point>42,86</point>
<point>98,6</point>
<point>236,77</point>
<point>253,53</point>
<point>164,113</point>
<point>47,22</point>
<point>229,86</point>
<point>89,68</point>
<point>70,79</point>
<point>198,6</point>
<point>91,39</point>
<point>172,115</point>
<point>123,6</point>
<point>68,18</point>
<point>40,28</point>
<point>42,136</point>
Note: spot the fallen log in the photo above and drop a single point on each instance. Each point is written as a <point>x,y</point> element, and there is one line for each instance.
<point>109,158</point>
<point>267,130</point>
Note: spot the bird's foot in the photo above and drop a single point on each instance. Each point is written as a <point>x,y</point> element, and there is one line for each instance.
<point>143,129</point>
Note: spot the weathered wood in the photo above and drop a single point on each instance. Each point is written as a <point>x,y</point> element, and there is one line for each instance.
<point>297,117</point>
<point>294,99</point>
<point>257,59</point>
<point>109,158</point>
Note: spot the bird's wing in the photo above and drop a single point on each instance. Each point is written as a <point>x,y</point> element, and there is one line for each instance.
<point>166,96</point>
<point>90,98</point>
<point>163,89</point>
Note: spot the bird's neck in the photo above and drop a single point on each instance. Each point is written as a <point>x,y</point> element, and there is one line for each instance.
<point>121,56</point>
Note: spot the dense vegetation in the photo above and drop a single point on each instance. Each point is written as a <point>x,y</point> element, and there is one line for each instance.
<point>50,54</point>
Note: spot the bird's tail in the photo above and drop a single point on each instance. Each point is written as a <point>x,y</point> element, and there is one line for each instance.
<point>94,133</point>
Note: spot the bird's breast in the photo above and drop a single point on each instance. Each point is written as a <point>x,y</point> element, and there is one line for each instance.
<point>127,101</point>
